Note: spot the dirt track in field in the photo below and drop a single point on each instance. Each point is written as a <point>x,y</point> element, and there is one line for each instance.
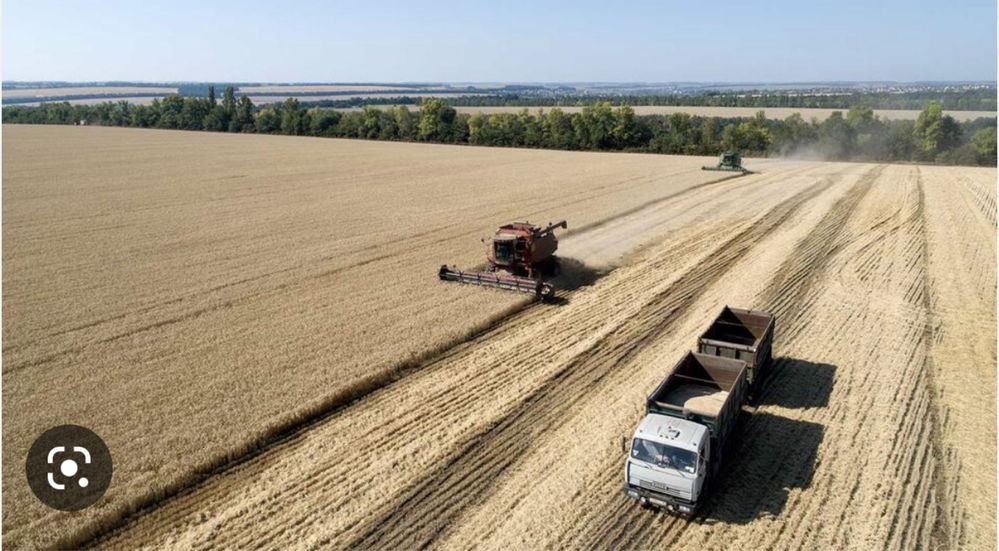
<point>868,435</point>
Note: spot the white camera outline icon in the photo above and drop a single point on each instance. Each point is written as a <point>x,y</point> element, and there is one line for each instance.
<point>67,467</point>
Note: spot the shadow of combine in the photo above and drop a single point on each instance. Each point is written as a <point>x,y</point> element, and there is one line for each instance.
<point>797,384</point>
<point>576,273</point>
<point>573,275</point>
<point>773,456</point>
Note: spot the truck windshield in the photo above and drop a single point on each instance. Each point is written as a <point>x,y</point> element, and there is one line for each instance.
<point>664,455</point>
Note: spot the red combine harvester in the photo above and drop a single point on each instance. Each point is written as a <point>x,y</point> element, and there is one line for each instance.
<point>520,257</point>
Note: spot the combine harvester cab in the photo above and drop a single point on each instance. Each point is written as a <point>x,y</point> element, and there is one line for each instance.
<point>730,161</point>
<point>746,335</point>
<point>679,445</point>
<point>520,257</point>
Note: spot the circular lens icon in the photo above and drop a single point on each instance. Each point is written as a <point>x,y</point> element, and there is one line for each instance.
<point>69,467</point>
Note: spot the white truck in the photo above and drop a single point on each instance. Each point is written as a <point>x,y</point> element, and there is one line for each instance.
<point>679,445</point>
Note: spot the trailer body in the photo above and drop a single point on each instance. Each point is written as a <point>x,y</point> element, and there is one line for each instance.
<point>743,335</point>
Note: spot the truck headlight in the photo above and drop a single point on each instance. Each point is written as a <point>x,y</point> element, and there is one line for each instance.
<point>684,509</point>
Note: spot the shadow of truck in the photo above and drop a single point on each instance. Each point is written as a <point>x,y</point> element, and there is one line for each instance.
<point>797,384</point>
<point>773,456</point>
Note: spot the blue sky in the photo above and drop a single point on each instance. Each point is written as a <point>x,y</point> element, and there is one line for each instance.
<point>537,41</point>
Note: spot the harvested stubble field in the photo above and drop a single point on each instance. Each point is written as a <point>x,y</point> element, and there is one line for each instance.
<point>293,88</point>
<point>136,100</point>
<point>254,325</point>
<point>85,90</point>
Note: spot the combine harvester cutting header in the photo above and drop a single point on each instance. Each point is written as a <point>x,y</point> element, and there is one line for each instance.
<point>521,256</point>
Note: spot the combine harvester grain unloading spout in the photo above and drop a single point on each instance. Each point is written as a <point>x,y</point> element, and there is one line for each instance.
<point>520,257</point>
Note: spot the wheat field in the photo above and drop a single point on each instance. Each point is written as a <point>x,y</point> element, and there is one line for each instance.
<point>254,326</point>
<point>292,88</point>
<point>85,90</point>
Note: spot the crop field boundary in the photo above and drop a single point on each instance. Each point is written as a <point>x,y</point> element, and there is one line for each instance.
<point>338,402</point>
<point>654,202</point>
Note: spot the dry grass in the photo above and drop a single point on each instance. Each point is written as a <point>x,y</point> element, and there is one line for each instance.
<point>262,280</point>
<point>771,112</point>
<point>85,90</point>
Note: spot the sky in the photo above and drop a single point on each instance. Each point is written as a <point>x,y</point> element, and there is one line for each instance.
<point>515,41</point>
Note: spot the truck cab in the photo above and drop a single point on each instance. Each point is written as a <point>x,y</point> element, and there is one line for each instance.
<point>668,463</point>
<point>679,444</point>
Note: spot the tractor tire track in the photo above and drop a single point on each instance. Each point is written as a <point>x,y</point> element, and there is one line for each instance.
<point>627,526</point>
<point>899,507</point>
<point>466,479</point>
<point>855,264</point>
<point>334,405</point>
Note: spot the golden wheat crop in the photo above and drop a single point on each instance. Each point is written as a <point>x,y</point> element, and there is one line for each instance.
<point>293,89</point>
<point>86,90</point>
<point>195,296</point>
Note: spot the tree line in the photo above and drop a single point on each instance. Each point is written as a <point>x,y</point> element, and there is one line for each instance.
<point>965,99</point>
<point>855,135</point>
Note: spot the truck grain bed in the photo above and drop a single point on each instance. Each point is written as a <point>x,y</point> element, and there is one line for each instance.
<point>742,327</point>
<point>744,335</point>
<point>700,399</point>
<point>699,384</point>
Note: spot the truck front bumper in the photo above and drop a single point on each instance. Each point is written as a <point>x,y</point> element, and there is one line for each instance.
<point>663,501</point>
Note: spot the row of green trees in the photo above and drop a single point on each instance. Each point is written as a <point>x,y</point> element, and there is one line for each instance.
<point>966,99</point>
<point>856,135</point>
